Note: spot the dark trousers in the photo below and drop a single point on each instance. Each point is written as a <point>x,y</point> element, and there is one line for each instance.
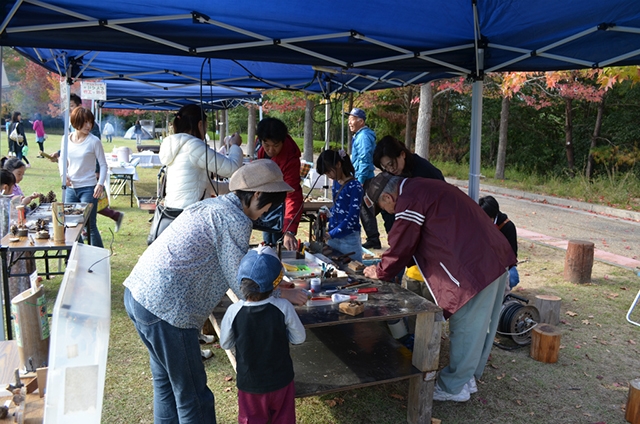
<point>369,223</point>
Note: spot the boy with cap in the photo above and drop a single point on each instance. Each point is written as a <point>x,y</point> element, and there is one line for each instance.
<point>261,328</point>
<point>463,260</point>
<point>183,275</point>
<point>362,147</point>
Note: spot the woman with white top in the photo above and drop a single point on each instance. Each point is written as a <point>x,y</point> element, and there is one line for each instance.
<point>82,152</point>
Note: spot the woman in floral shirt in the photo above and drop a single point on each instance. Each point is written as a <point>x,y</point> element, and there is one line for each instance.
<point>183,275</point>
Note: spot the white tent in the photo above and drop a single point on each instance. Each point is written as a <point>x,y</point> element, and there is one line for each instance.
<point>5,81</point>
<point>131,135</point>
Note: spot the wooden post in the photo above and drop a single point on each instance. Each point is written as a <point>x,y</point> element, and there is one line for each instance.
<point>549,308</point>
<point>633,402</point>
<point>545,343</point>
<point>578,261</point>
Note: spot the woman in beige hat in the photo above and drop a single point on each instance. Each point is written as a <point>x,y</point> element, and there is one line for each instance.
<point>183,275</point>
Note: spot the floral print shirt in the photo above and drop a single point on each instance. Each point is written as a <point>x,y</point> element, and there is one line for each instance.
<point>185,272</point>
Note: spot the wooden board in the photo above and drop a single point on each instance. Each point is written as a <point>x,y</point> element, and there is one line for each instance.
<point>9,361</point>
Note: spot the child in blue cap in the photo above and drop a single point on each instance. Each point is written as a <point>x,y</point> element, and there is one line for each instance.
<point>261,328</point>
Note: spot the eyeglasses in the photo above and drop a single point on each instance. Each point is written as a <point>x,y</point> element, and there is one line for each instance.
<point>389,166</point>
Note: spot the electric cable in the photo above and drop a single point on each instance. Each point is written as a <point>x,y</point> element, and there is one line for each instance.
<point>106,257</point>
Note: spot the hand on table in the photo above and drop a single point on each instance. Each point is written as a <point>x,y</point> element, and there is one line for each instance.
<point>371,272</point>
<point>295,296</point>
<point>290,242</point>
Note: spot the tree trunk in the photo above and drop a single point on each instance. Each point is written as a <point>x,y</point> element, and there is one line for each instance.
<point>251,132</point>
<point>502,138</point>
<point>425,115</point>
<point>568,133</point>
<point>308,131</point>
<point>408,140</point>
<point>594,138</point>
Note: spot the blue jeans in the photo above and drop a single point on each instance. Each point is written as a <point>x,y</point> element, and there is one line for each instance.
<point>85,195</point>
<point>349,243</point>
<point>180,392</point>
<point>514,277</point>
<point>271,238</point>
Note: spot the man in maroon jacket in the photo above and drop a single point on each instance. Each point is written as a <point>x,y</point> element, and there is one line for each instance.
<point>278,146</point>
<point>463,259</point>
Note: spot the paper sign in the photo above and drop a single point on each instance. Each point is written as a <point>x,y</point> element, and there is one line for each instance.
<point>93,90</point>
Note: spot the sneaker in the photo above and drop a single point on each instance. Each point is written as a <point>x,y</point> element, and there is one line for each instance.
<point>372,244</point>
<point>119,221</point>
<point>206,354</point>
<point>441,395</point>
<point>471,386</point>
<point>206,338</point>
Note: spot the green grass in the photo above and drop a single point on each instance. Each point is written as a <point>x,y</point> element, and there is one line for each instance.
<point>587,385</point>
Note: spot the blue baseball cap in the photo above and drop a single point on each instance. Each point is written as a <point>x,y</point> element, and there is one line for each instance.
<point>358,113</point>
<point>262,266</point>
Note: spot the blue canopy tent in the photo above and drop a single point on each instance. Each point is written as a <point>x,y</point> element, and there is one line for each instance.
<point>139,95</point>
<point>436,37</point>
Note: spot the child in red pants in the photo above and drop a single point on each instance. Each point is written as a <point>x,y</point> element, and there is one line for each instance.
<point>261,328</point>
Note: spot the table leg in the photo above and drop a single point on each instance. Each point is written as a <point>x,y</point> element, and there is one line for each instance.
<point>5,291</point>
<point>426,354</point>
<point>131,193</point>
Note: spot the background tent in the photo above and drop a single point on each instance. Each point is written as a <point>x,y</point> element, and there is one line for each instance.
<point>5,81</point>
<point>130,134</point>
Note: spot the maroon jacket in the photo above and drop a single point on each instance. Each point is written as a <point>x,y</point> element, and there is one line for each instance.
<point>457,248</point>
<point>288,161</point>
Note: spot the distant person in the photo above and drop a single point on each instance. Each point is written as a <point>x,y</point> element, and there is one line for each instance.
<point>464,260</point>
<point>260,329</point>
<point>363,145</point>
<point>83,150</point>
<point>18,145</point>
<point>277,145</point>
<point>74,102</point>
<point>137,130</point>
<point>343,232</point>
<point>108,132</point>
<point>490,205</point>
<point>41,136</point>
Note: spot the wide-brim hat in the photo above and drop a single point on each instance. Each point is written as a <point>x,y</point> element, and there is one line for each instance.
<point>261,175</point>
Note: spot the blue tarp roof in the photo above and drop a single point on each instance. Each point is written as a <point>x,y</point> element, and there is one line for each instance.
<point>435,36</point>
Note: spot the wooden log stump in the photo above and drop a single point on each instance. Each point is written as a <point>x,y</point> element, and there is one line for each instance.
<point>549,308</point>
<point>633,402</point>
<point>545,343</point>
<point>578,261</point>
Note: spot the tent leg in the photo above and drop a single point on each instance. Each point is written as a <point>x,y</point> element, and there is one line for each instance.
<point>476,140</point>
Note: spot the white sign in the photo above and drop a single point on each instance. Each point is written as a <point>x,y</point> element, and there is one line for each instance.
<point>93,90</point>
<point>64,94</point>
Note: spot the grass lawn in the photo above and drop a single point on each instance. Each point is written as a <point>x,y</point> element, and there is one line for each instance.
<point>598,357</point>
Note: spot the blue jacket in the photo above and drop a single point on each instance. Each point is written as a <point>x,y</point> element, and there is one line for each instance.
<point>364,142</point>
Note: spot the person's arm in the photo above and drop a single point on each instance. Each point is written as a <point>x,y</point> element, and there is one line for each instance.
<point>295,329</point>
<point>217,163</point>
<point>102,161</point>
<point>227,336</point>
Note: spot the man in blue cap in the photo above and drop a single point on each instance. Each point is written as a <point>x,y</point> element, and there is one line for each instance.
<point>363,145</point>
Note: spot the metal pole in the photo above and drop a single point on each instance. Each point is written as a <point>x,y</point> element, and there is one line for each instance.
<point>342,124</point>
<point>476,140</point>
<point>327,126</point>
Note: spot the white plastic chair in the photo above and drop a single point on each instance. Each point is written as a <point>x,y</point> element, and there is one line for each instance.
<point>633,305</point>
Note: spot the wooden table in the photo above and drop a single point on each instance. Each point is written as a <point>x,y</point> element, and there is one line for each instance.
<point>343,352</point>
<point>42,249</point>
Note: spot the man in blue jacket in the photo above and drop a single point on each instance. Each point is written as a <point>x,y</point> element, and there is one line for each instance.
<point>364,143</point>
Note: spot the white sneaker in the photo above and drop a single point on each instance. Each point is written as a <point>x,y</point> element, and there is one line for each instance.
<point>441,395</point>
<point>206,353</point>
<point>471,386</point>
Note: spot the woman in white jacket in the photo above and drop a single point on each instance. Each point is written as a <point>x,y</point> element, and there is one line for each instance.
<point>190,161</point>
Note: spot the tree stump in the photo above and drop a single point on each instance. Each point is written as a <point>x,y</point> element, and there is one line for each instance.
<point>578,261</point>
<point>633,402</point>
<point>549,308</point>
<point>545,343</point>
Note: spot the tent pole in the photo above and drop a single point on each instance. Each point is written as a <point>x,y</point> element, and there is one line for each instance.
<point>327,126</point>
<point>342,125</point>
<point>1,79</point>
<point>476,139</point>
<point>65,137</point>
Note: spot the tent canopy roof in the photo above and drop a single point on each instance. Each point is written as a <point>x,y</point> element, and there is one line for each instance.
<point>436,36</point>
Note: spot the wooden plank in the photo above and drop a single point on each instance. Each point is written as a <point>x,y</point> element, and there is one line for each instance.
<point>9,362</point>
